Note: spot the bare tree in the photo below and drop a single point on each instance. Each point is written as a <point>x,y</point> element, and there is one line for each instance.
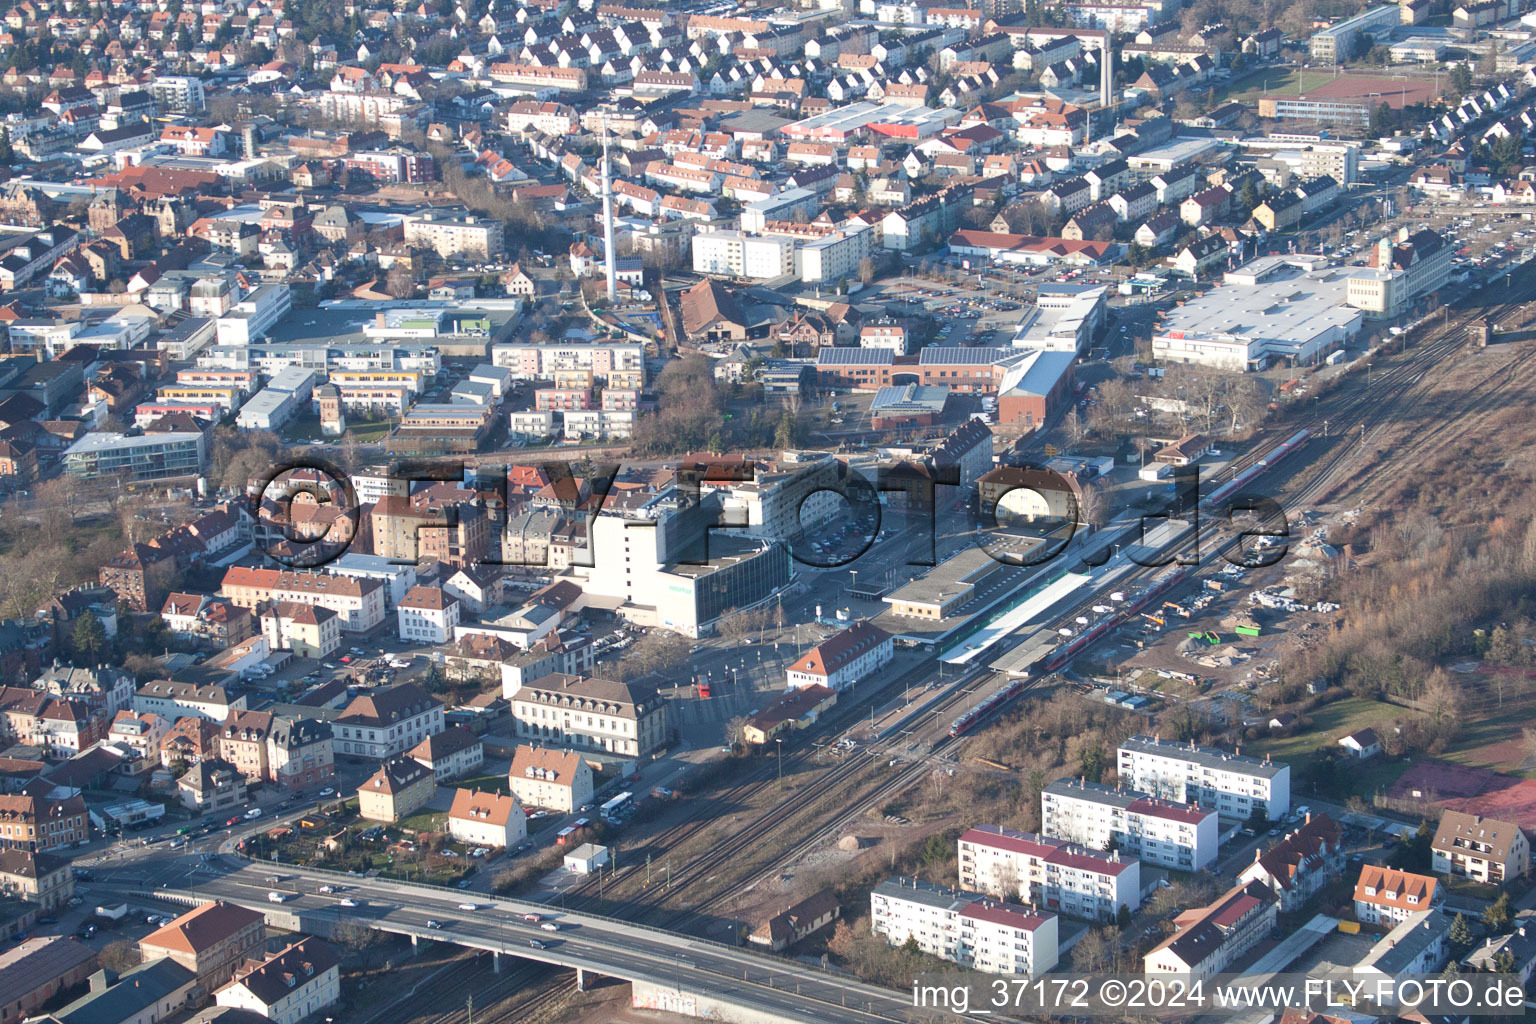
<point>119,956</point>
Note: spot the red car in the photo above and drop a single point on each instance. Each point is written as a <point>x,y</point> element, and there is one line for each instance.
<point>345,659</point>
<point>234,821</point>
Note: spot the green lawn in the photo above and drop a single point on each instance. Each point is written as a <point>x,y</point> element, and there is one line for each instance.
<point>485,784</point>
<point>1330,722</point>
<point>425,821</point>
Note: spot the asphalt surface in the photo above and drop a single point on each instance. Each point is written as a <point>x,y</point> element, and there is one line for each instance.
<point>792,991</point>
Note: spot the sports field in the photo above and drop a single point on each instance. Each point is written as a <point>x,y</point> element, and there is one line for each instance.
<point>1251,88</point>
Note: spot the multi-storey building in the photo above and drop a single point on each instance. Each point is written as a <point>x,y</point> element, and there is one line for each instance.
<point>966,928</point>
<point>1059,876</point>
<point>1386,896</point>
<point>40,878</point>
<point>287,987</point>
<point>1333,45</point>
<point>842,660</point>
<point>560,780</point>
<point>300,753</point>
<point>1157,831</point>
<point>358,602</point>
<point>171,700</point>
<point>211,941</point>
<point>1233,784</point>
<point>397,790</point>
<point>40,823</point>
<point>1479,848</point>
<point>591,714</point>
<point>1211,939</point>
<point>243,742</point>
<point>309,631</point>
<point>487,819</point>
<point>387,722</point>
<point>109,456</point>
<point>451,235</point>
<point>1301,863</point>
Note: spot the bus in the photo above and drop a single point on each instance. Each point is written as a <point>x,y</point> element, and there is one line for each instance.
<point>614,810</point>
<point>563,835</point>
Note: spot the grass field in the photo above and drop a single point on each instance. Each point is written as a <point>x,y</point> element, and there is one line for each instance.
<point>1330,722</point>
<point>1282,80</point>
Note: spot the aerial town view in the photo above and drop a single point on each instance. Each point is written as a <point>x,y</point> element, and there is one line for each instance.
<point>817,512</point>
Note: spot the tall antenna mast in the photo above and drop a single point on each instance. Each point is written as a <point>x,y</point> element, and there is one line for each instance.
<point>610,254</point>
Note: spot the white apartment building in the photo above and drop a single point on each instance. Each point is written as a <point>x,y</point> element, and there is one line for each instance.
<point>428,615</point>
<point>386,722</point>
<point>357,601</point>
<point>966,928</point>
<point>836,256</point>
<point>1058,876</point>
<point>1156,831</point>
<point>736,254</point>
<point>141,733</point>
<point>1232,784</point>
<point>455,234</point>
<point>181,94</point>
<point>397,579</point>
<point>842,660</point>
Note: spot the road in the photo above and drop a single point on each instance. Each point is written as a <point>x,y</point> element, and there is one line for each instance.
<point>689,966</point>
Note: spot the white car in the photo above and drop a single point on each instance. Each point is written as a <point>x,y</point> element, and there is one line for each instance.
<point>326,888</point>
<point>253,813</point>
<point>346,903</point>
<point>467,906</point>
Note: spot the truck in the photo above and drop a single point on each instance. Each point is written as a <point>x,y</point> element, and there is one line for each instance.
<point>113,911</point>
<point>1335,357</point>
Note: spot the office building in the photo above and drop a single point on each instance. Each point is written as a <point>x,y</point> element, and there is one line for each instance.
<point>147,457</point>
<point>591,714</point>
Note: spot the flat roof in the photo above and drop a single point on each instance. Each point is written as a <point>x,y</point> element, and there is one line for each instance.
<point>1206,757</point>
<point>333,326</point>
<point>1287,309</point>
<point>114,442</point>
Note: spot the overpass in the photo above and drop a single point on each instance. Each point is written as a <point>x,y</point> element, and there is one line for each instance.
<point>668,971</point>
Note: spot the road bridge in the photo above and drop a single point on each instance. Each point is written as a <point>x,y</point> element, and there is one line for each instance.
<point>668,970</point>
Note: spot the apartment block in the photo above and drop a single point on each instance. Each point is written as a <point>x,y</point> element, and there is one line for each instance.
<point>1479,848</point>
<point>1157,831</point>
<point>358,602</point>
<point>966,928</point>
<point>1232,784</point>
<point>1056,875</point>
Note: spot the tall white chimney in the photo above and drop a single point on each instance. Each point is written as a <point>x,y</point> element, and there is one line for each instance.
<point>1106,73</point>
<point>610,254</point>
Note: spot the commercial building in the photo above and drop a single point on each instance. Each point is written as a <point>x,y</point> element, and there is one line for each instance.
<point>843,659</point>
<point>967,928</point>
<point>147,457</point>
<point>253,316</point>
<point>1156,831</point>
<point>1034,387</point>
<point>1483,849</point>
<point>1273,308</point>
<point>397,790</point>
<point>559,780</point>
<point>1065,318</point>
<point>1057,875</point>
<point>1386,896</point>
<point>387,722</point>
<point>591,714</point>
<point>1402,270</point>
<point>1209,940</point>
<point>1235,785</point>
